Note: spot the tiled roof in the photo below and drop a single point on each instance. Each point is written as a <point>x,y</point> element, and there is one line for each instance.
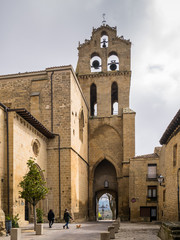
<point>171,129</point>
<point>33,121</point>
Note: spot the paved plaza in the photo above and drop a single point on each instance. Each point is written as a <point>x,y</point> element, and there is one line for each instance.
<point>91,231</point>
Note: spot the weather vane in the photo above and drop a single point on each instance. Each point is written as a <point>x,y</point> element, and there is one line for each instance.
<point>104,21</point>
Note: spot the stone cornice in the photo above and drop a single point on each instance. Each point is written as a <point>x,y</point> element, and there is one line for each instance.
<point>105,74</point>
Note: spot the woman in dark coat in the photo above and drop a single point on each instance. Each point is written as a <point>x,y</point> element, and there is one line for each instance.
<point>51,217</point>
<point>66,218</point>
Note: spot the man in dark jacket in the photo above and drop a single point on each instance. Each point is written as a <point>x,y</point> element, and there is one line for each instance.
<point>51,217</point>
<point>66,218</point>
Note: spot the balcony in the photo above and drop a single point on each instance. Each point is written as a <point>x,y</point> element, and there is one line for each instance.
<point>152,177</point>
<point>151,199</point>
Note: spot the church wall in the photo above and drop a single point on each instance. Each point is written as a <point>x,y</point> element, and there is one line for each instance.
<point>79,152</point>
<point>128,134</point>
<point>79,186</point>
<point>103,84</point>
<point>21,139</point>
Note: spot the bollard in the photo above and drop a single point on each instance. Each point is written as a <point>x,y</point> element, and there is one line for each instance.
<point>117,223</point>
<point>116,227</point>
<point>39,229</point>
<point>111,230</point>
<point>105,236</point>
<point>15,234</point>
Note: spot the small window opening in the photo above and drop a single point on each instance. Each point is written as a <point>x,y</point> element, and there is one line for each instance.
<point>114,99</point>
<point>93,100</point>
<point>81,125</point>
<point>174,155</point>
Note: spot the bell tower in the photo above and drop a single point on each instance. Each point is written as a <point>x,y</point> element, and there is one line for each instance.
<point>104,73</point>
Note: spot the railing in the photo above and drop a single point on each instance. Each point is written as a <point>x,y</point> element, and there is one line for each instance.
<point>151,199</point>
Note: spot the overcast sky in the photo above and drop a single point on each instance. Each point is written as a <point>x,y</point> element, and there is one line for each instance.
<point>36,34</point>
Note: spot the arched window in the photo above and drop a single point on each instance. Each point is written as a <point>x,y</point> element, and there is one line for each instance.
<point>93,100</point>
<point>95,63</point>
<point>114,98</point>
<point>113,62</point>
<point>81,125</point>
<point>104,40</point>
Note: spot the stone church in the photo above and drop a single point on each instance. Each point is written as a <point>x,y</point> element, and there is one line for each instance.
<point>77,125</point>
<point>81,131</point>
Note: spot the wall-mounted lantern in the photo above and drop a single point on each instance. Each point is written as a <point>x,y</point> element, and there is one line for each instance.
<point>161,180</point>
<point>106,184</point>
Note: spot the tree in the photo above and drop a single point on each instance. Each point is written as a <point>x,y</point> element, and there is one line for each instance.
<point>33,186</point>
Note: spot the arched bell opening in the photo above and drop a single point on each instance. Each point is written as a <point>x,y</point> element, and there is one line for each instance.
<point>104,40</point>
<point>95,63</point>
<point>113,62</point>
<point>105,191</point>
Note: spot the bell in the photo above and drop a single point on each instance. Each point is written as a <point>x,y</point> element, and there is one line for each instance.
<point>113,66</point>
<point>104,43</point>
<point>95,64</point>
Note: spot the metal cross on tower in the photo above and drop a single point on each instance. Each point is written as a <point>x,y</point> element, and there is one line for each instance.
<point>104,21</point>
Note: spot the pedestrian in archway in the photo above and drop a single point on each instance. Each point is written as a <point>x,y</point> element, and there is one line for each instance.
<point>67,217</point>
<point>51,218</point>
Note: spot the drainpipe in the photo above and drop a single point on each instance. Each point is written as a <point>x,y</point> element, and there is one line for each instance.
<point>52,101</point>
<point>59,175</point>
<point>7,135</point>
<point>88,170</point>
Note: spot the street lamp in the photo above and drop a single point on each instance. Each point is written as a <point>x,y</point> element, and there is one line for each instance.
<point>161,180</point>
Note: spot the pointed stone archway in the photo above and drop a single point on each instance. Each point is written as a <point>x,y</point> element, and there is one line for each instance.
<point>105,182</point>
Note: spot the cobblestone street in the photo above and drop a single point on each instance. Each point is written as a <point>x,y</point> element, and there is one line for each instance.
<point>91,231</point>
<point>138,231</point>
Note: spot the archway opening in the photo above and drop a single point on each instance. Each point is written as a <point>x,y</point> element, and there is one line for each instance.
<point>105,191</point>
<point>106,207</point>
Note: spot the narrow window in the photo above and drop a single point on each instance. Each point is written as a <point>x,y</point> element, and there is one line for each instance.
<point>81,125</point>
<point>152,193</point>
<point>114,98</point>
<point>164,195</point>
<point>152,171</point>
<point>93,100</point>
<point>174,155</point>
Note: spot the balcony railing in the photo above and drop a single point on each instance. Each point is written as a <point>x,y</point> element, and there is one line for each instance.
<point>152,199</point>
<point>151,177</point>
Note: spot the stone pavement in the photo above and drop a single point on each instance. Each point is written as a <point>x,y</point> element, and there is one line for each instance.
<point>91,231</point>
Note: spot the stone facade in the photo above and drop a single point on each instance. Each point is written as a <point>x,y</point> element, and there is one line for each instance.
<point>170,170</point>
<point>143,187</point>
<point>111,135</point>
<point>55,98</point>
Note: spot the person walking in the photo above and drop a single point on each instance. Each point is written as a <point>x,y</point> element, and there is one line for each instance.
<point>67,217</point>
<point>51,218</point>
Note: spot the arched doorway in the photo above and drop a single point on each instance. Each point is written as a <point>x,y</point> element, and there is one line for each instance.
<point>105,191</point>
